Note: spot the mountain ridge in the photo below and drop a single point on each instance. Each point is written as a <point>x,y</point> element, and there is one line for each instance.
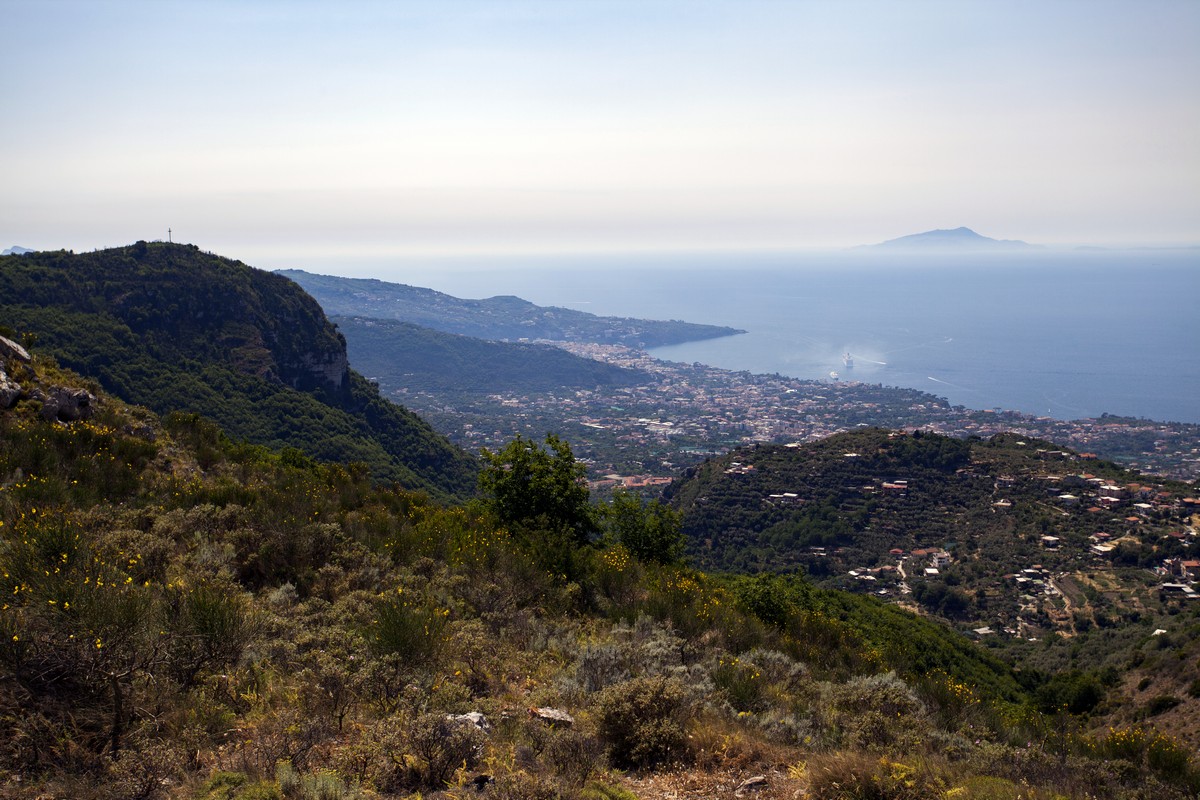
<point>504,317</point>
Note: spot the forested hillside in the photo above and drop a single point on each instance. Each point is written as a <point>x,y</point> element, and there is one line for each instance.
<point>404,356</point>
<point>176,329</point>
<point>190,617</point>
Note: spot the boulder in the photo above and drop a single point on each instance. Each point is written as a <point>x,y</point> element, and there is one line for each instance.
<point>10,349</point>
<point>67,405</point>
<point>10,390</point>
<point>552,716</point>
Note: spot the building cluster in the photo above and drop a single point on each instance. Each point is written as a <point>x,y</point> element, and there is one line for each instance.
<point>683,413</point>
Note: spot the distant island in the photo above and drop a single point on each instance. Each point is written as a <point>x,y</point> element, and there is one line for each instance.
<point>17,251</point>
<point>957,239</point>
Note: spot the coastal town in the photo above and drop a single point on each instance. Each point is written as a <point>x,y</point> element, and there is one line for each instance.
<point>642,435</point>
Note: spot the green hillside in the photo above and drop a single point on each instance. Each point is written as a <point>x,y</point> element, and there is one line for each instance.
<point>1059,562</point>
<point>508,318</point>
<point>176,329</point>
<point>403,355</point>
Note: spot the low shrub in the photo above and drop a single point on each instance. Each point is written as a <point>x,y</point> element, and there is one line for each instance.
<point>641,722</point>
<point>850,775</point>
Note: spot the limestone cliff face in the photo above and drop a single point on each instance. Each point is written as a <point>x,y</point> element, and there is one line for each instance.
<point>329,368</point>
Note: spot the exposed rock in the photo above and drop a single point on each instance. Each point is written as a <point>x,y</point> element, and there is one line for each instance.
<point>755,784</point>
<point>328,369</point>
<point>472,718</point>
<point>10,390</point>
<point>10,349</point>
<point>552,716</point>
<point>67,405</point>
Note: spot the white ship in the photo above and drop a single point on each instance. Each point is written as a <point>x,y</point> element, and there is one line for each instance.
<point>848,360</point>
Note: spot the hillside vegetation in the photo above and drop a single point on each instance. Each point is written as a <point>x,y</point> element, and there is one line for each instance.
<point>175,329</point>
<point>1059,562</point>
<point>404,356</point>
<point>187,616</point>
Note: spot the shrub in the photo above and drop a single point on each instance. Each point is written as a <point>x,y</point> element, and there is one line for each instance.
<point>574,756</point>
<point>880,710</point>
<point>409,629</point>
<point>740,682</point>
<point>1160,704</point>
<point>441,746</point>
<point>858,776</point>
<point>641,722</point>
<point>320,786</point>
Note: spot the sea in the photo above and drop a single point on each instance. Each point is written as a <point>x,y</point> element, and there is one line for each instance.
<point>1064,334</point>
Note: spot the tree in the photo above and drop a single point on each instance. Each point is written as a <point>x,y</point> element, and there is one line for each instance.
<point>652,532</point>
<point>530,487</point>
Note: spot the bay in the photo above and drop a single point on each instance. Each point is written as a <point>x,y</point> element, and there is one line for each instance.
<point>1063,334</point>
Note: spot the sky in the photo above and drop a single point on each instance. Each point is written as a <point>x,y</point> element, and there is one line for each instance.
<point>269,130</point>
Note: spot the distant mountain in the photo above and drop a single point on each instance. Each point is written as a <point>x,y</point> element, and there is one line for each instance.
<point>500,318</point>
<point>962,239</point>
<point>17,251</point>
<point>172,328</point>
<point>403,355</point>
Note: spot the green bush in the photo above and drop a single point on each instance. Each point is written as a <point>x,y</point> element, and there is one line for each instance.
<point>410,629</point>
<point>641,722</point>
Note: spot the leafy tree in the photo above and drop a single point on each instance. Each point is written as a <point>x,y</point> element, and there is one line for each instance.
<point>530,487</point>
<point>652,532</point>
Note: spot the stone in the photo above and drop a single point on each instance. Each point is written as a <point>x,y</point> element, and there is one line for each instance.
<point>10,349</point>
<point>10,391</point>
<point>471,718</point>
<point>552,716</point>
<point>67,405</point>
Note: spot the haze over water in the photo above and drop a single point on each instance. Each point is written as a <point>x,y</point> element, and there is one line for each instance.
<point>1062,334</point>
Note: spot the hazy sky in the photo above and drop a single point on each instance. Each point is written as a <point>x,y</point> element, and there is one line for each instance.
<point>259,129</point>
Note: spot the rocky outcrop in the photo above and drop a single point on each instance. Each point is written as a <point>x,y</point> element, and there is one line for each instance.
<point>66,405</point>
<point>11,350</point>
<point>331,368</point>
<point>10,390</point>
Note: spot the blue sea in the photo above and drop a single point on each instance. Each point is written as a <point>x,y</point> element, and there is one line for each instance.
<point>1061,334</point>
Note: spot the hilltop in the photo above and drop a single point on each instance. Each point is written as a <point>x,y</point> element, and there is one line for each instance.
<point>956,239</point>
<point>175,329</point>
<point>503,318</point>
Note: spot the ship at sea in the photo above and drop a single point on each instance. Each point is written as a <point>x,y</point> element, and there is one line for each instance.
<point>848,360</point>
